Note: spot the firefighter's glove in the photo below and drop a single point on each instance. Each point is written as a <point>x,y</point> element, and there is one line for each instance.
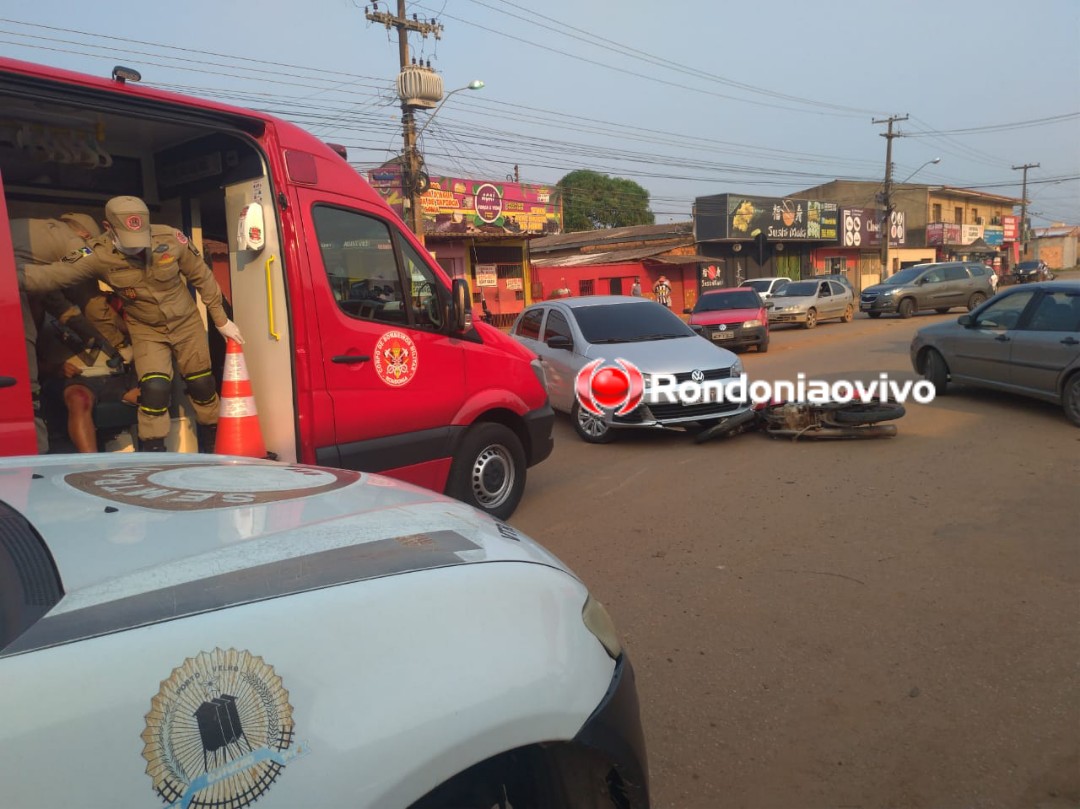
<point>230,331</point>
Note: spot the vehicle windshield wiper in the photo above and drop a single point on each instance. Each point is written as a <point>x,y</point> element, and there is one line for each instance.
<point>642,337</point>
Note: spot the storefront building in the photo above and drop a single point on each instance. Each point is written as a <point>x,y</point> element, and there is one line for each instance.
<point>608,261</point>
<point>938,223</point>
<point>479,230</point>
<point>759,237</point>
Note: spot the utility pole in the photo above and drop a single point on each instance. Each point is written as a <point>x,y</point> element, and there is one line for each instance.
<point>1023,208</point>
<point>887,192</point>
<point>411,155</point>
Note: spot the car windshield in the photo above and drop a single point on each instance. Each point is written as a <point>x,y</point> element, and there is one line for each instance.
<point>629,323</point>
<point>716,301</point>
<point>905,276</point>
<point>761,285</point>
<point>800,289</point>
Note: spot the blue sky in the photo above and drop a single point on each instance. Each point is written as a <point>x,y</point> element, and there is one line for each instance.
<point>687,98</point>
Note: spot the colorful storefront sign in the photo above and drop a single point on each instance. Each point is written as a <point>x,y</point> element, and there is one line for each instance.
<point>710,276</point>
<point>1011,226</point>
<point>942,233</point>
<point>456,206</point>
<point>994,235</point>
<point>777,219</point>
<point>861,227</point>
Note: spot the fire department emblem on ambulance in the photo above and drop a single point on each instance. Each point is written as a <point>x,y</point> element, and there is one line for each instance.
<point>219,731</point>
<point>396,358</point>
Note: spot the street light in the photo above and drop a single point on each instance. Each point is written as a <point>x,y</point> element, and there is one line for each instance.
<point>935,161</point>
<point>476,84</point>
<point>415,179</point>
<point>886,197</point>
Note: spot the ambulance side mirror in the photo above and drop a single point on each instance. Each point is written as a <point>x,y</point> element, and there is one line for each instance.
<point>250,234</point>
<point>460,311</point>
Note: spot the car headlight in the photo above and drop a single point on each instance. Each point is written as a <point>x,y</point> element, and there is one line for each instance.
<point>885,292</point>
<point>538,369</point>
<point>598,622</point>
<point>736,369</point>
<point>751,324</point>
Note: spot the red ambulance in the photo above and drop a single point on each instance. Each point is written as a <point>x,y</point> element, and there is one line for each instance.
<point>361,350</point>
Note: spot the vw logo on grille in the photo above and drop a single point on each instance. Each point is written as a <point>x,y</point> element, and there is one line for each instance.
<point>697,375</point>
<point>723,327</point>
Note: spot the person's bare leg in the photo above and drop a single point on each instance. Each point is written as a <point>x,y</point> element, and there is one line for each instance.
<point>80,407</point>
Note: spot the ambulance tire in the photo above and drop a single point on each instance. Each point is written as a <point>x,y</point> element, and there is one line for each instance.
<point>488,471</point>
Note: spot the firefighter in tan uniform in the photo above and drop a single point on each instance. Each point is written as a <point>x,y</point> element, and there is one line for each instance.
<point>149,267</point>
<point>83,308</point>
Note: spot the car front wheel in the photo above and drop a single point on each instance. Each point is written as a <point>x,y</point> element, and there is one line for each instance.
<point>811,319</point>
<point>975,300</point>
<point>592,429</point>
<point>849,314</point>
<point>1070,399</point>
<point>906,308</point>
<point>488,471</point>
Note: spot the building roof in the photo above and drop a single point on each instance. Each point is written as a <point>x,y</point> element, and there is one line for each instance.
<point>613,257</point>
<point>682,231</point>
<point>972,193</point>
<point>1055,231</point>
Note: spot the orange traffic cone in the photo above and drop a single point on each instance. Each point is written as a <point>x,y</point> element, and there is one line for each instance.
<point>238,431</point>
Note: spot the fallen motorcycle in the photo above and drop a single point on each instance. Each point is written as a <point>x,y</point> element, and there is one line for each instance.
<point>796,420</point>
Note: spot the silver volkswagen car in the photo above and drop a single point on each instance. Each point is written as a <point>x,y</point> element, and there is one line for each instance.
<point>1026,341</point>
<point>571,333</point>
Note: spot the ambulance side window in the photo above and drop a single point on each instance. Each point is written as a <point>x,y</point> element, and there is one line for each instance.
<point>358,258</point>
<point>425,292</point>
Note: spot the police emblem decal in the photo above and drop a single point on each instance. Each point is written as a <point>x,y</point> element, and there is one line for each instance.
<point>219,731</point>
<point>396,358</point>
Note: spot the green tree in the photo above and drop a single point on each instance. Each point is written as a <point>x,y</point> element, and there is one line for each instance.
<point>592,200</point>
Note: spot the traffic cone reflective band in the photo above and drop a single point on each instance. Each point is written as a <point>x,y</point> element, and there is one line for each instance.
<point>238,430</point>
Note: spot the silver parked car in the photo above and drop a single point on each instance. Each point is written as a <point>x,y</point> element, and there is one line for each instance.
<point>570,333</point>
<point>1026,341</point>
<point>809,302</point>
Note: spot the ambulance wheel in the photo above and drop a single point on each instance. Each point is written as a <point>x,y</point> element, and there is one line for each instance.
<point>488,471</point>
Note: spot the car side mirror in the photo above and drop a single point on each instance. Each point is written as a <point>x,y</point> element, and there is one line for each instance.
<point>460,311</point>
<point>560,341</point>
<point>967,321</point>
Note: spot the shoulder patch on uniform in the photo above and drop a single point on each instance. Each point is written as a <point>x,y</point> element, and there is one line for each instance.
<point>76,254</point>
<point>180,237</point>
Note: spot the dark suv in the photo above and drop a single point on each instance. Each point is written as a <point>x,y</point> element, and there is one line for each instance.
<point>940,286</point>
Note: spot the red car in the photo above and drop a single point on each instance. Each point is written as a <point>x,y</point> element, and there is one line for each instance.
<point>733,318</point>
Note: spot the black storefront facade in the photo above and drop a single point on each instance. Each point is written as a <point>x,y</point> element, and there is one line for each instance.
<point>759,237</point>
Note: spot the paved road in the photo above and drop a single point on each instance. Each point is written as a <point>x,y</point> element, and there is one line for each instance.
<point>888,623</point>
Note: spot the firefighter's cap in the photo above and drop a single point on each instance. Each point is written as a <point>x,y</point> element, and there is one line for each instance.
<point>130,220</point>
